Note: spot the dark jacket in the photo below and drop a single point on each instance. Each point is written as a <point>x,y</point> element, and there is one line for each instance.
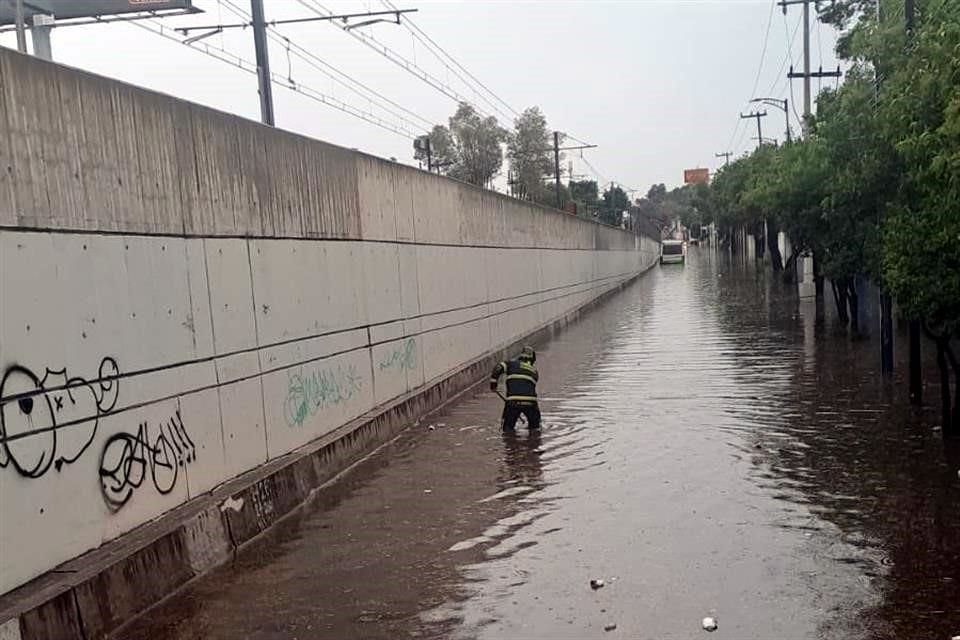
<point>522,379</point>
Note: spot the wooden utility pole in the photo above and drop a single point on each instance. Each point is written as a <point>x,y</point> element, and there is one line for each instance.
<point>757,115</point>
<point>806,74</point>
<point>725,155</point>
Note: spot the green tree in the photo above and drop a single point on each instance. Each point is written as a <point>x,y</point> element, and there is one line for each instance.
<point>615,202</point>
<point>477,142</point>
<point>529,150</point>
<point>443,153</point>
<point>920,248</point>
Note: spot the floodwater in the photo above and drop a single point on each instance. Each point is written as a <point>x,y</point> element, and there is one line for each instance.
<point>709,449</point>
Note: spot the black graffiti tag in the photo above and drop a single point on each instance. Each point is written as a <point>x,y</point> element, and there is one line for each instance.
<point>52,421</point>
<point>128,459</point>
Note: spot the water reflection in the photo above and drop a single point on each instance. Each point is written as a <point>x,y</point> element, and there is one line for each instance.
<point>521,455</point>
<point>711,447</point>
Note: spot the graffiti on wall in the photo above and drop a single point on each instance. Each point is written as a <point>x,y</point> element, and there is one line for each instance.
<point>311,391</point>
<point>403,358</point>
<point>51,421</point>
<point>128,459</point>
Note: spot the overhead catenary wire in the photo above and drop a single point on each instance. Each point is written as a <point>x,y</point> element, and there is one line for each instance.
<point>394,57</point>
<point>249,66</point>
<point>431,45</point>
<point>340,77</point>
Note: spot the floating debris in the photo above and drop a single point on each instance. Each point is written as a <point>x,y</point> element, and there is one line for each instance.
<point>709,624</point>
<point>758,446</point>
<point>610,626</point>
<point>431,428</point>
<point>428,490</point>
<point>232,504</point>
<point>596,583</point>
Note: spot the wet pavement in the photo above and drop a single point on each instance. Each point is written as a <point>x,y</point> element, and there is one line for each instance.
<point>710,449</point>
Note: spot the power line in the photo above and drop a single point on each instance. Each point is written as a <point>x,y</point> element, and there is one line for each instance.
<point>393,56</point>
<point>789,81</point>
<point>756,82</point>
<point>414,29</point>
<point>250,67</point>
<point>779,80</point>
<point>336,74</point>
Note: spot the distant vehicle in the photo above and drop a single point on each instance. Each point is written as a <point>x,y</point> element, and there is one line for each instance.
<point>672,251</point>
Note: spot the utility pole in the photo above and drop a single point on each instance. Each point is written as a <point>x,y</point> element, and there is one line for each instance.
<point>556,166</point>
<point>260,24</point>
<point>757,115</point>
<point>21,27</point>
<point>41,27</point>
<point>725,155</point>
<point>806,59</point>
<point>265,80</point>
<point>807,75</point>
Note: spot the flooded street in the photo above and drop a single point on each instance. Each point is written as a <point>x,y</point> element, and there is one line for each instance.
<point>708,450</point>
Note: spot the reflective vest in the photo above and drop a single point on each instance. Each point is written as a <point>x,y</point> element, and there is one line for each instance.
<point>522,379</point>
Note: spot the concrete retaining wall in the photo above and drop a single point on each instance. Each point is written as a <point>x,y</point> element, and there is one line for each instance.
<point>186,296</point>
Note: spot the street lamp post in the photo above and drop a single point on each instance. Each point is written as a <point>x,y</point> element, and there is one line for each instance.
<point>784,105</point>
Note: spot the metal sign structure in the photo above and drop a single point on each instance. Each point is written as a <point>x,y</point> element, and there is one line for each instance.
<point>73,12</point>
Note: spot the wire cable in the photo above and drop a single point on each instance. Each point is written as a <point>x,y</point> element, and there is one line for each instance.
<point>756,82</point>
<point>393,56</point>
<point>277,79</point>
<point>340,77</point>
<point>414,29</point>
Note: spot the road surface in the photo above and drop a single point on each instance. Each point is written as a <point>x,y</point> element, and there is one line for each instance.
<point>708,450</point>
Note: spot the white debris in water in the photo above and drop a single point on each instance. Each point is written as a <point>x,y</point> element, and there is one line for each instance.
<point>709,624</point>
<point>506,493</point>
<point>231,503</point>
<point>596,583</point>
<point>431,428</point>
<point>428,490</point>
<point>610,626</point>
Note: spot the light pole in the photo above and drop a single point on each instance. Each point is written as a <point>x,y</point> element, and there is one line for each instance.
<point>779,104</point>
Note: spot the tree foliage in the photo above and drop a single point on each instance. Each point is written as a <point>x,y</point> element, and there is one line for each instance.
<point>470,149</point>
<point>443,153</point>
<point>874,188</point>
<point>530,151</point>
<point>478,142</point>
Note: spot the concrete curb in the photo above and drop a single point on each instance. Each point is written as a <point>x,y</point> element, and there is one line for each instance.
<point>96,594</point>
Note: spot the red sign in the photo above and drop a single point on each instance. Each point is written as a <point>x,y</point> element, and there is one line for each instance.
<point>696,176</point>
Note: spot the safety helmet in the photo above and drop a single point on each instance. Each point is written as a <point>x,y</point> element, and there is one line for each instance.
<point>528,354</point>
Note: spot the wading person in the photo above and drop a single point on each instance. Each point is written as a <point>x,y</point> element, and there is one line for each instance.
<point>521,397</point>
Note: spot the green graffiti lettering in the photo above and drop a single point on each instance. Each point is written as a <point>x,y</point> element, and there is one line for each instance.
<point>403,357</point>
<point>308,393</point>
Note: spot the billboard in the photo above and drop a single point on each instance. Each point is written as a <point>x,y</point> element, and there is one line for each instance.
<point>696,176</point>
<point>85,9</point>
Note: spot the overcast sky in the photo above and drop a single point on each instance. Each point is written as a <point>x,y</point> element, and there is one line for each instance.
<point>657,84</point>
